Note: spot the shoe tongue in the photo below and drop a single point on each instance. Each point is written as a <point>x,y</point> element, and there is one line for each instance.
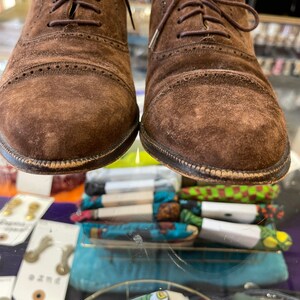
<point>199,22</point>
<point>210,25</point>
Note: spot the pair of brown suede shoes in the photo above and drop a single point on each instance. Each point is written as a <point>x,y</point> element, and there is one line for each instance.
<point>67,99</point>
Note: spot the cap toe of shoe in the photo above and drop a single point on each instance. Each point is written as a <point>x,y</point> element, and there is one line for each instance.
<point>219,121</point>
<point>65,117</point>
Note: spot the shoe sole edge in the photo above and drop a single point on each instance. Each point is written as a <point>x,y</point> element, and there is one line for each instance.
<point>214,175</point>
<point>55,167</point>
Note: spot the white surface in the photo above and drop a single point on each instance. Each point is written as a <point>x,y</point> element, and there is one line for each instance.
<point>232,212</point>
<point>133,213</point>
<point>295,161</point>
<point>6,286</point>
<point>238,235</point>
<point>129,186</point>
<point>42,274</point>
<point>15,227</point>
<point>126,174</point>
<point>125,199</point>
<point>34,184</point>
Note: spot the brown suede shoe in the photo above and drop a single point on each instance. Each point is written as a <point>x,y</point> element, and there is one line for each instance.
<point>67,99</point>
<point>210,113</point>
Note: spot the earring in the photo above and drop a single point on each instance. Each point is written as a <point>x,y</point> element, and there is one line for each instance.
<point>33,208</point>
<point>63,267</point>
<point>33,256</point>
<point>10,206</point>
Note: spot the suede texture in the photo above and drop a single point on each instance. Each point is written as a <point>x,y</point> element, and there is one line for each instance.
<point>208,103</point>
<point>67,92</point>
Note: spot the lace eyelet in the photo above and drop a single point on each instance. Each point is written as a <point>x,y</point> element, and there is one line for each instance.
<point>178,9</point>
<point>48,25</point>
<point>179,22</point>
<point>178,36</point>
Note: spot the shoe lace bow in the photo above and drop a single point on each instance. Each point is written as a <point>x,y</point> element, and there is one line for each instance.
<point>199,9</point>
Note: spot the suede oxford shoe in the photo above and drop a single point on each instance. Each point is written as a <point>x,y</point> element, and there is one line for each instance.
<point>210,113</point>
<point>67,99</point>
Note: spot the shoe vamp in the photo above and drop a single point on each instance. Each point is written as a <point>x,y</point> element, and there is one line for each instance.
<point>225,119</point>
<point>167,65</point>
<point>103,53</point>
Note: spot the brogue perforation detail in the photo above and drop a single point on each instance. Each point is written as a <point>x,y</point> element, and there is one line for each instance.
<point>201,74</point>
<point>117,45</point>
<point>200,48</point>
<point>69,67</point>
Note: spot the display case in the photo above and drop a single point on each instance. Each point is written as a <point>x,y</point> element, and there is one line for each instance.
<point>257,259</point>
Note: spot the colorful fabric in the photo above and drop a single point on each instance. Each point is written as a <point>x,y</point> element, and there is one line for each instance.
<point>190,218</point>
<point>188,268</point>
<point>94,202</point>
<point>240,194</point>
<point>269,239</point>
<point>144,232</point>
<point>169,211</point>
<point>166,211</point>
<point>269,212</point>
<point>193,206</point>
<point>265,212</point>
<point>273,240</point>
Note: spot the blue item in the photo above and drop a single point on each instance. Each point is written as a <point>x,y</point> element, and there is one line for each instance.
<point>94,202</point>
<point>150,232</point>
<point>97,268</point>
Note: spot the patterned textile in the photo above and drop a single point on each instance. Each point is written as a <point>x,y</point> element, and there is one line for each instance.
<point>143,232</point>
<point>189,218</point>
<point>169,211</point>
<point>95,268</point>
<point>265,212</point>
<point>269,212</point>
<point>274,240</point>
<point>93,202</point>
<point>234,193</point>
<point>193,206</point>
<point>269,239</point>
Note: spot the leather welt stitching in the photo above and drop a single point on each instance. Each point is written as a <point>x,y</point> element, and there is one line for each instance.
<point>203,74</point>
<point>64,163</point>
<point>200,48</point>
<point>223,173</point>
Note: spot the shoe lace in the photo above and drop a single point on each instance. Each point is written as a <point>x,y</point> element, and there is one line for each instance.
<point>199,9</point>
<point>75,4</point>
